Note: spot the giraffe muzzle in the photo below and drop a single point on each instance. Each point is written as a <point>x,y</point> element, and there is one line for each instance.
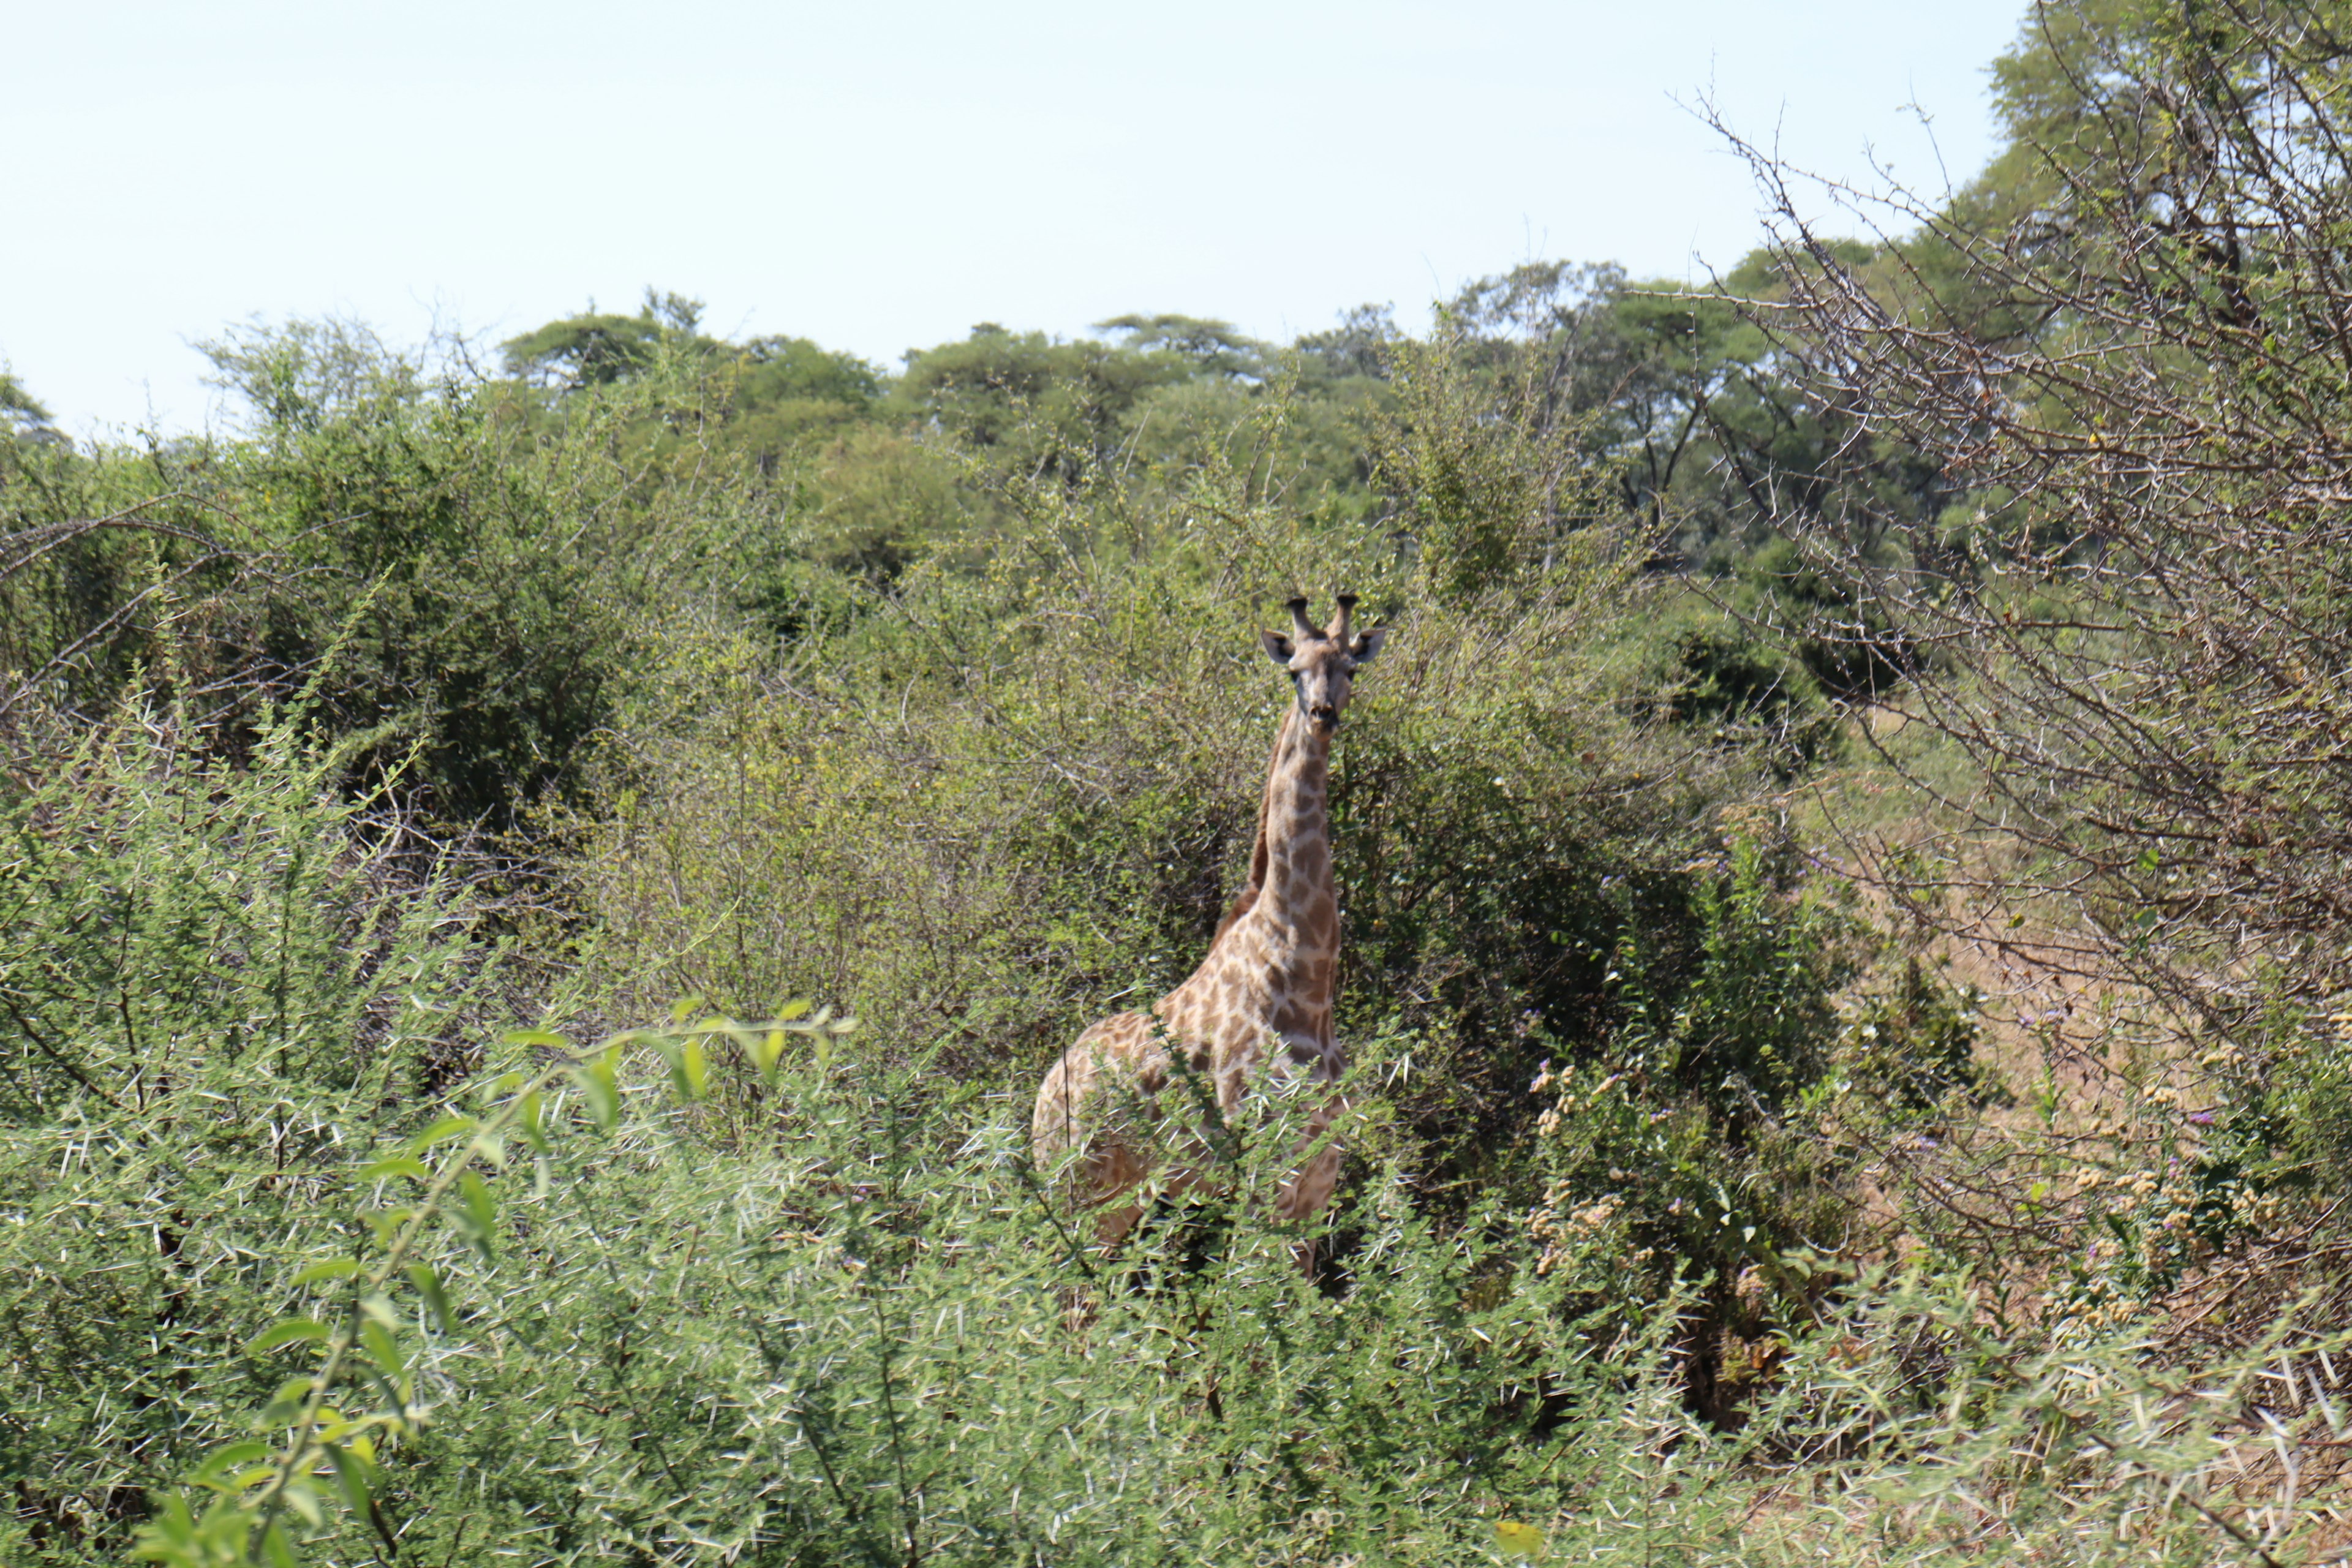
<point>1326,717</point>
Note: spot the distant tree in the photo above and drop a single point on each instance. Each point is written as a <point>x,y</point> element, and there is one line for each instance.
<point>1055,407</point>
<point>1216,347</point>
<point>779,367</point>
<point>584,351</point>
<point>1624,373</point>
<point>1361,345</point>
<point>19,410</point>
<point>302,373</point>
<point>775,395</point>
<point>597,349</point>
<point>760,398</point>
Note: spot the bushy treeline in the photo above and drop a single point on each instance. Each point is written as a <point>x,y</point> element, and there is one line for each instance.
<point>419,704</point>
<point>1702,1207</point>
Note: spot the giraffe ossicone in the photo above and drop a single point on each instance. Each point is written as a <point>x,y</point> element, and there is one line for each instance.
<point>1256,1015</point>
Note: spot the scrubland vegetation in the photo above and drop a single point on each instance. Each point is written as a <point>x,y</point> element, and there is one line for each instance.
<point>533,905</point>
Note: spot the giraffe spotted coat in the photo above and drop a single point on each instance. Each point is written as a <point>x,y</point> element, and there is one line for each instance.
<point>1256,1015</point>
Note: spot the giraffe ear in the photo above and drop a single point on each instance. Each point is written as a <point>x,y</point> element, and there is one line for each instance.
<point>1368,646</point>
<point>1277,647</point>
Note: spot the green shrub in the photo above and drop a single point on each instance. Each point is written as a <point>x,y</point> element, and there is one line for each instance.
<point>490,587</point>
<point>212,989</point>
<point>989,809</point>
<point>877,1339</point>
<point>1686,1146</point>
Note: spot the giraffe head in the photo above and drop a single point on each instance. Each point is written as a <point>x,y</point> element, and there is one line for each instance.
<point>1322,662</point>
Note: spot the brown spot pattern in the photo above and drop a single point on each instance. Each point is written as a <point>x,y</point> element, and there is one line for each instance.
<point>1257,1013</point>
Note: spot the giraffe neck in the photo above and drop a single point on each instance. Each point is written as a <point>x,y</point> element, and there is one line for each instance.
<point>1297,894</point>
<point>1275,957</point>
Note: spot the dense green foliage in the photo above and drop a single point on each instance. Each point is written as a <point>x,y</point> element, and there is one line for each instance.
<point>1705,1201</point>
<point>214,993</point>
<point>970,792</point>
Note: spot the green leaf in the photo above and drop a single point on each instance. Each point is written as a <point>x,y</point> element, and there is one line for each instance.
<point>396,1165</point>
<point>327,1269</point>
<point>222,1460</point>
<point>684,1008</point>
<point>287,1403</point>
<point>308,1330</point>
<point>273,1543</point>
<point>351,1475</point>
<point>767,1055</point>
<point>382,1349</point>
<point>293,1391</point>
<point>304,1501</point>
<point>690,1070</point>
<point>529,1117</point>
<point>170,1536</point>
<point>1517,1539</point>
<point>546,1038</point>
<point>436,1300</point>
<point>599,1084</point>
<point>441,1132</point>
<point>478,1214</point>
<point>791,1011</point>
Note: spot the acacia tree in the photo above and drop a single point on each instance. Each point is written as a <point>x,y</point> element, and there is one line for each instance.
<point>2126,351</point>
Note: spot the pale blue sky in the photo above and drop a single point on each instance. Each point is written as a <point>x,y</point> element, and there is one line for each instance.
<point>882,176</point>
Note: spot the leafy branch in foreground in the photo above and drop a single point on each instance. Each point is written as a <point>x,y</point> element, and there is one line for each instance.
<point>255,1485</point>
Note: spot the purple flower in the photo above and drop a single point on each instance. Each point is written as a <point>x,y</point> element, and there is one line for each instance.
<point>2202,1119</point>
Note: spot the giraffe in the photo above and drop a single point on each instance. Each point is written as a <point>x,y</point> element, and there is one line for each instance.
<point>1259,1007</point>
